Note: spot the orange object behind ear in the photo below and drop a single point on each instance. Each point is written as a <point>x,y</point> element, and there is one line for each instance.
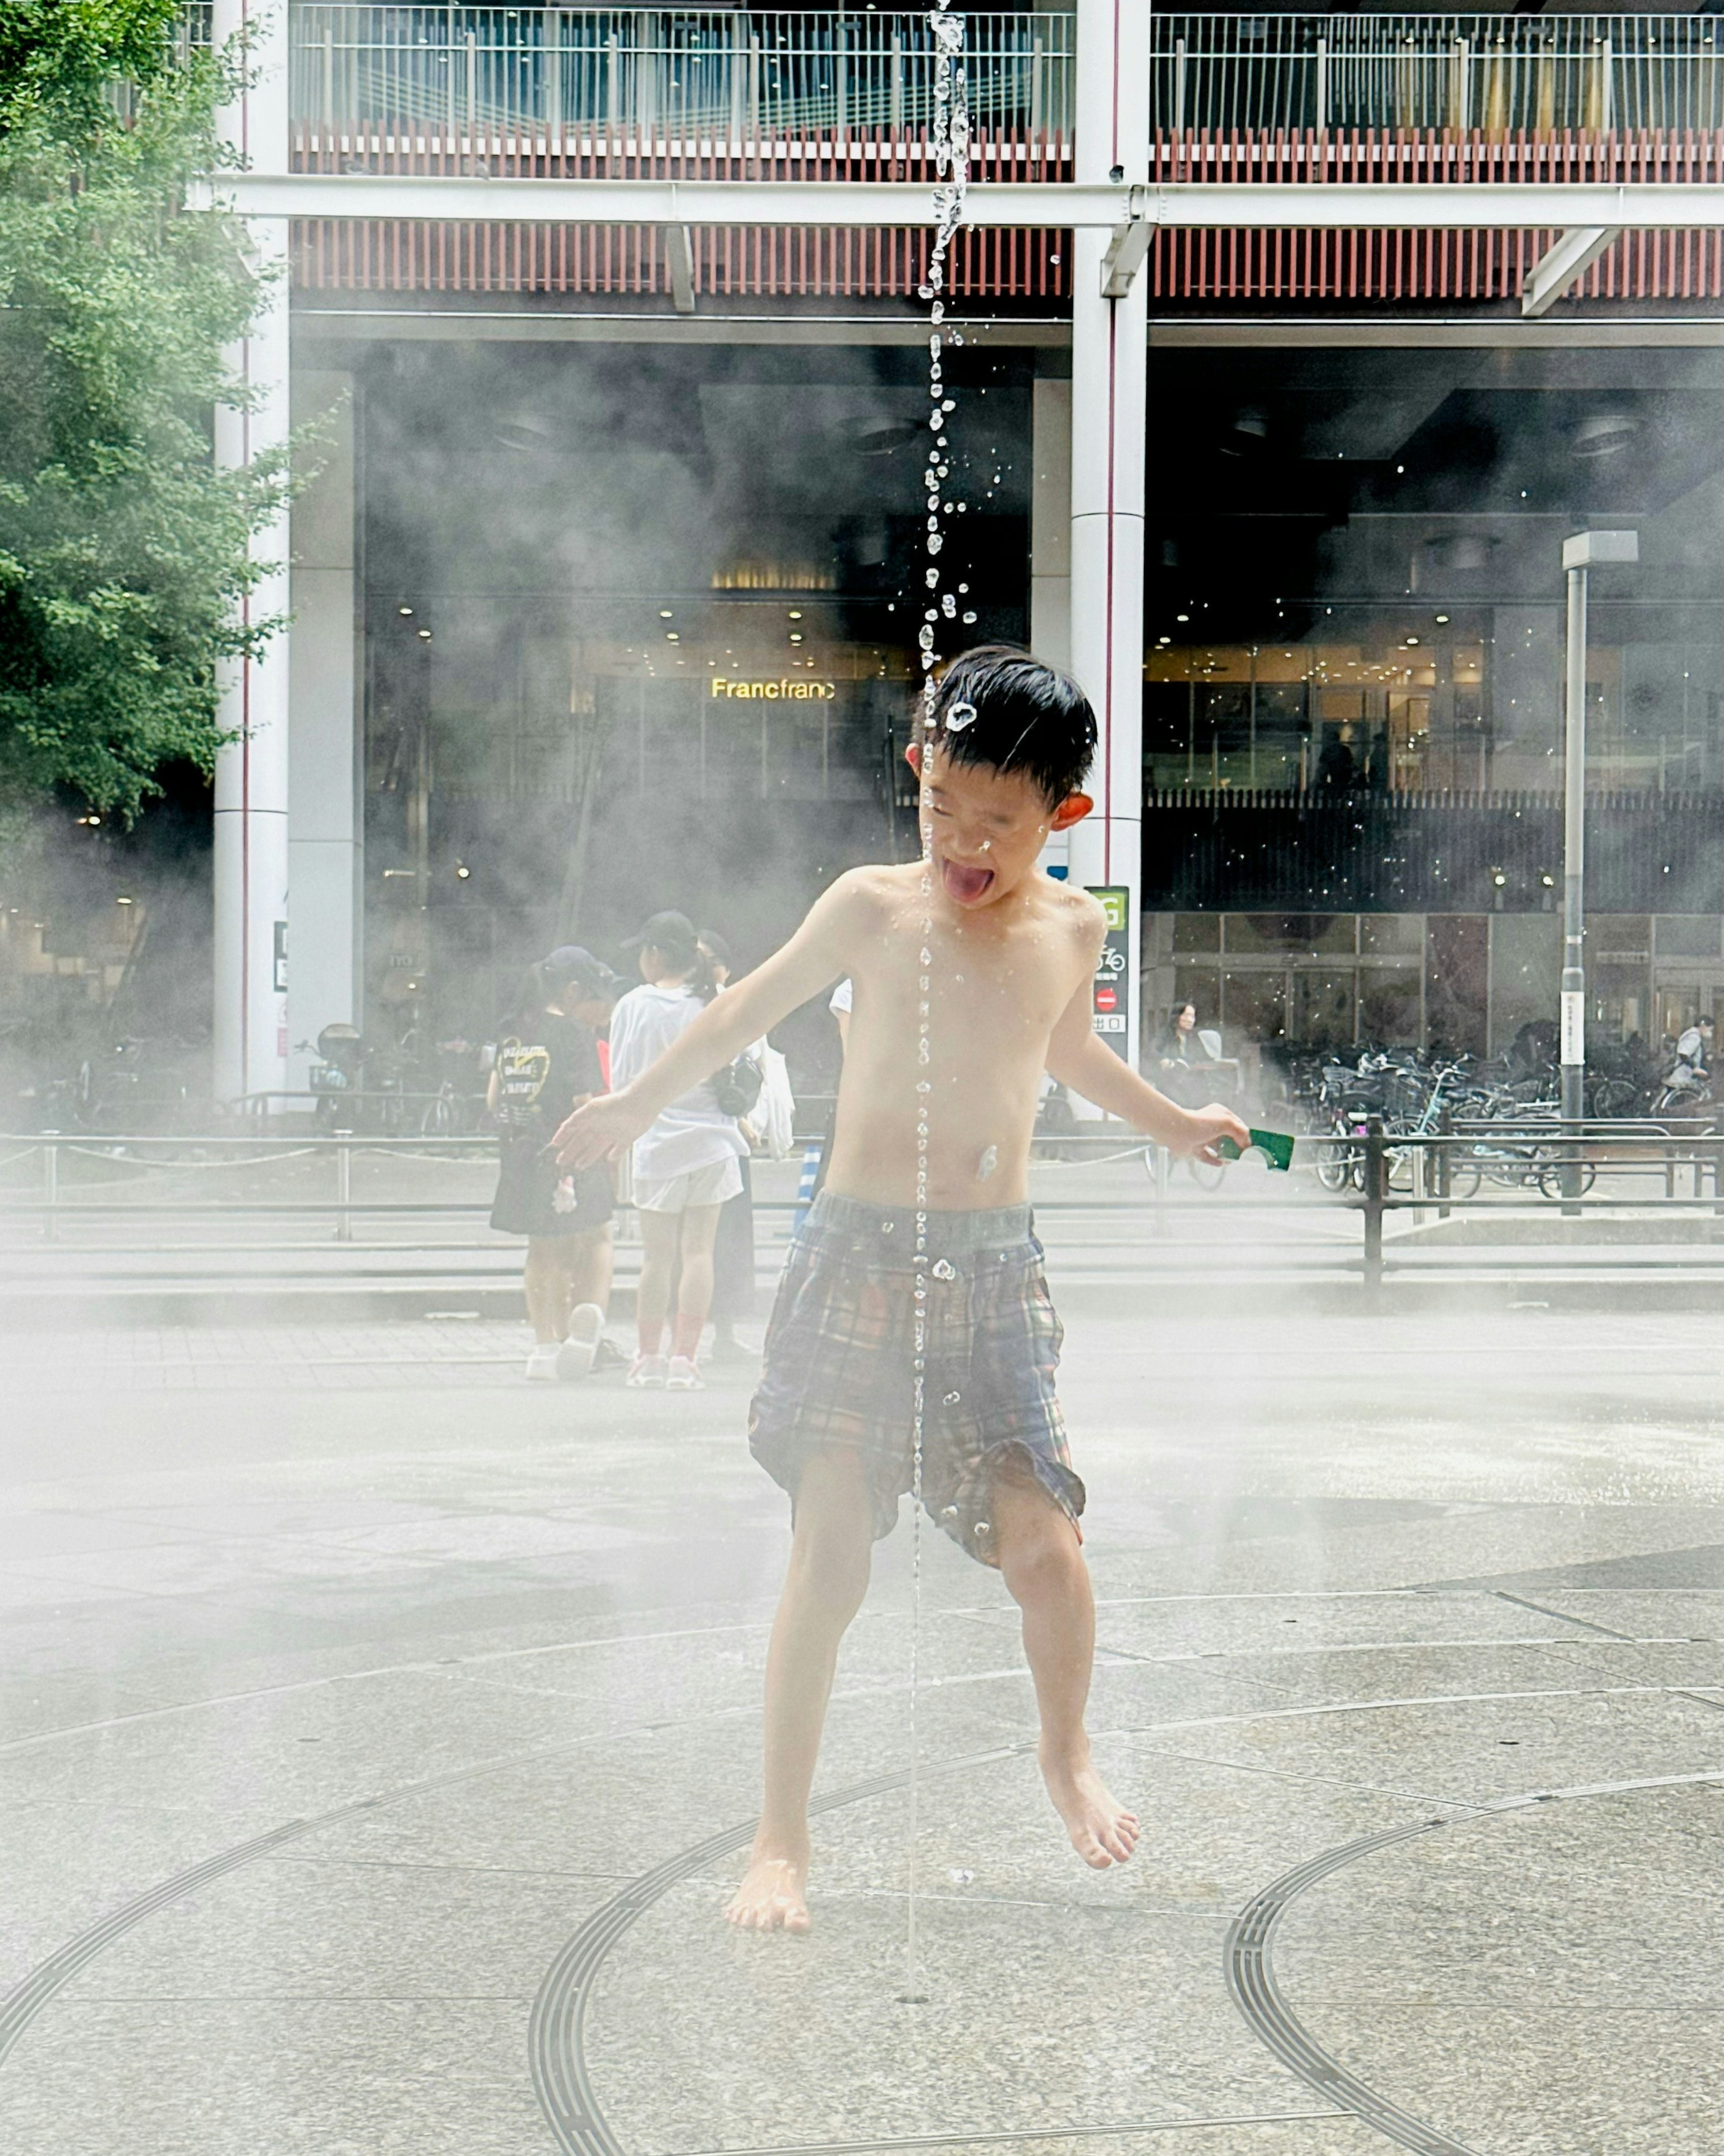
<point>1072,809</point>
<point>913,757</point>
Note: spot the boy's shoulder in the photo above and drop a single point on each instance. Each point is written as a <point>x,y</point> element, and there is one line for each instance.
<point>875,887</point>
<point>1071,906</point>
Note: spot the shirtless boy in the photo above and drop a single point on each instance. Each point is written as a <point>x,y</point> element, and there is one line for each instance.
<point>1013,955</point>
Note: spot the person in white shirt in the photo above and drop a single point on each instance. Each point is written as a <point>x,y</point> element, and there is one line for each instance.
<point>686,1165</point>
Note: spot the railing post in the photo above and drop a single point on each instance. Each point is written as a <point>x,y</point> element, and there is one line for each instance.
<point>1179,89</point>
<point>1442,1162</point>
<point>840,81</point>
<point>1376,1194</point>
<point>1322,121</point>
<point>1038,96</point>
<point>329,91</point>
<point>1461,87</point>
<point>894,109</point>
<point>344,1190</point>
<point>754,93</point>
<point>50,1186</point>
<point>472,100</point>
<point>553,82</point>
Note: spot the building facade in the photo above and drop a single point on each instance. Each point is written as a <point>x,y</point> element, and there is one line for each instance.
<point>1295,345</point>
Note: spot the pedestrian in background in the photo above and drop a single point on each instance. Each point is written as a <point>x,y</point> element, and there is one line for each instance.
<point>686,1166</point>
<point>546,1062</point>
<point>733,1267</point>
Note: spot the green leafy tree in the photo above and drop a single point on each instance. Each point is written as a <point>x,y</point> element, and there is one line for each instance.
<point>123,550</point>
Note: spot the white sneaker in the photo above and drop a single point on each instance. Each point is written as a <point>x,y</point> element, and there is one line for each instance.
<point>542,1360</point>
<point>683,1377</point>
<point>576,1357</point>
<point>647,1370</point>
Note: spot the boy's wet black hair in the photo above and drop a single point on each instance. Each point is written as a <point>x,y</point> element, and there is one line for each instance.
<point>1026,716</point>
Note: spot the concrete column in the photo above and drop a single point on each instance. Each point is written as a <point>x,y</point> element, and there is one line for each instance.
<point>326,850</point>
<point>251,803</point>
<point>1050,523</point>
<point>1110,355</point>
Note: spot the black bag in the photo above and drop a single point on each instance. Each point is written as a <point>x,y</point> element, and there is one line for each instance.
<point>737,1087</point>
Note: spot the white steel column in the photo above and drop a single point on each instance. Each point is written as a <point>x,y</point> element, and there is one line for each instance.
<point>1110,348</point>
<point>326,850</point>
<point>1051,522</point>
<point>251,773</point>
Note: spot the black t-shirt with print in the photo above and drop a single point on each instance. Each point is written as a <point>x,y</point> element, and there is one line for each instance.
<point>544,1062</point>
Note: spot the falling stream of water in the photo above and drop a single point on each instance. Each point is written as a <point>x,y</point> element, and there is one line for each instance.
<point>951,166</point>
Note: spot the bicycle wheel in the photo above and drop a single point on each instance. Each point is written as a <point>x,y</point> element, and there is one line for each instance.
<point>1551,1176</point>
<point>1334,1164</point>
<point>1464,1178</point>
<point>438,1120</point>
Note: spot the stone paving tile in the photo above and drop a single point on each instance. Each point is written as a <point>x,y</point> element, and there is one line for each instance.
<point>379,1564</point>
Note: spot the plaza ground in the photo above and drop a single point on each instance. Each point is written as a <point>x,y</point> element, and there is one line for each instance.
<point>489,1653</point>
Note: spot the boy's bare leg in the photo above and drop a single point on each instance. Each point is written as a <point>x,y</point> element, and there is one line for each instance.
<point>1044,1568</point>
<point>828,1577</point>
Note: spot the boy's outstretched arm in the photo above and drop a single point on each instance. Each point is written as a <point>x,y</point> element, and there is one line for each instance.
<point>1079,1058</point>
<point>815,958</point>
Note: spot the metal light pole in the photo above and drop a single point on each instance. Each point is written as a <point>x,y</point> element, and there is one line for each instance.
<point>1579,555</point>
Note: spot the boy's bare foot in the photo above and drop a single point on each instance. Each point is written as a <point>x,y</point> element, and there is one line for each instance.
<point>773,1896</point>
<point>1102,1831</point>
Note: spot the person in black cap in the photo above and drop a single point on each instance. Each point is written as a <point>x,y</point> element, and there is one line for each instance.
<point>547,1062</point>
<point>684,1163</point>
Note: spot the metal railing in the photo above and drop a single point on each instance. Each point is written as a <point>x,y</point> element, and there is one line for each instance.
<point>1525,1171</point>
<point>1491,74</point>
<point>727,76</point>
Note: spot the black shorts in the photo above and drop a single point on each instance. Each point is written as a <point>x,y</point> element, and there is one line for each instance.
<point>841,1362</point>
<point>526,1193</point>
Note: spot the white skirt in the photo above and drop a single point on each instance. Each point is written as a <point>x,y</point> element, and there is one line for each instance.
<point>702,1186</point>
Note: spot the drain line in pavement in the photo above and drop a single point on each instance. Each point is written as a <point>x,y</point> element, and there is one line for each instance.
<point>1250,1975</point>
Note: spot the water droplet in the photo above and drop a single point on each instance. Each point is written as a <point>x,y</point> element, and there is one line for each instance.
<point>944,1269</point>
<point>922,1086</point>
<point>935,542</point>
<point>958,717</point>
<point>952,1401</point>
<point>948,606</point>
<point>927,956</point>
<point>969,617</point>
<point>989,1160</point>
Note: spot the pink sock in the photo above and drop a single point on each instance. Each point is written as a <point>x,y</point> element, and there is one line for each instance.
<point>686,1338</point>
<point>652,1335</point>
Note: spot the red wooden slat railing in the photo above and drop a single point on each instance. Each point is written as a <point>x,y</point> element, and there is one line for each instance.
<point>1217,266</point>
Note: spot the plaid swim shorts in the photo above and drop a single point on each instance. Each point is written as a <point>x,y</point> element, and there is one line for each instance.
<point>840,1362</point>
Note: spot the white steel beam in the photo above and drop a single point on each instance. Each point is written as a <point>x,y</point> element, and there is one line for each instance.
<point>1302,206</point>
<point>1565,259</point>
<point>679,259</point>
<point>1124,258</point>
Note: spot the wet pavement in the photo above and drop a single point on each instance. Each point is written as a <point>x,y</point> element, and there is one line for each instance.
<point>378,1736</point>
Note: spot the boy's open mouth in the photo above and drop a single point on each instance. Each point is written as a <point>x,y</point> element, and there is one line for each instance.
<point>963,883</point>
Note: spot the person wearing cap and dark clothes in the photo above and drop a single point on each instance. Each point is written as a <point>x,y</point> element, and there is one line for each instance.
<point>547,1061</point>
<point>685,1166</point>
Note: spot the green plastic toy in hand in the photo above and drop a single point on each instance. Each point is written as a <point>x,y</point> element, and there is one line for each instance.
<point>1275,1147</point>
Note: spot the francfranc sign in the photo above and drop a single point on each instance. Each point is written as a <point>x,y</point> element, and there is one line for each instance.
<point>793,692</point>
